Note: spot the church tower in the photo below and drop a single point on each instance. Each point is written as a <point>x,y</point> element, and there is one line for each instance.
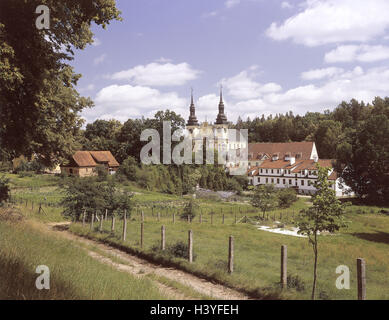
<point>192,121</point>
<point>221,117</point>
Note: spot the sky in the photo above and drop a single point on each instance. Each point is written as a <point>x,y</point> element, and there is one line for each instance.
<point>270,56</point>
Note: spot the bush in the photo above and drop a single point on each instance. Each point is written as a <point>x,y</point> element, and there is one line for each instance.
<point>129,168</point>
<point>295,282</point>
<point>179,250</point>
<point>4,189</point>
<point>102,173</point>
<point>286,197</point>
<point>189,210</point>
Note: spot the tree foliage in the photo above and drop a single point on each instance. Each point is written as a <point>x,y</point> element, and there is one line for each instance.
<point>92,196</point>
<point>39,104</point>
<point>325,214</point>
<point>265,197</point>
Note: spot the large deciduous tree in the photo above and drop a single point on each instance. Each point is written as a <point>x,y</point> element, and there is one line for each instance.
<point>363,157</point>
<point>39,104</point>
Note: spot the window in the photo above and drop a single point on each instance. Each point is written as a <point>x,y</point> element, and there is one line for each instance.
<point>302,182</point>
<point>283,181</point>
<point>266,170</point>
<point>272,180</point>
<point>278,181</point>
<point>261,170</point>
<point>290,181</point>
<point>267,180</point>
<point>278,170</point>
<point>309,172</point>
<point>271,170</point>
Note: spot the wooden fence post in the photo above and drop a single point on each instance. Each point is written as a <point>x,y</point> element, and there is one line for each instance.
<point>101,223</point>
<point>174,217</point>
<point>113,223</point>
<point>163,238</point>
<point>91,222</point>
<point>188,218</point>
<point>201,218</point>
<point>223,219</point>
<point>83,219</point>
<point>106,215</point>
<point>361,273</point>
<point>236,219</point>
<point>190,246</point>
<point>142,229</point>
<point>159,216</point>
<point>231,255</point>
<point>211,218</point>
<point>284,257</point>
<point>124,226</point>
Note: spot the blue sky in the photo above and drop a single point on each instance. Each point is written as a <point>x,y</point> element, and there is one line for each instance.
<point>271,56</point>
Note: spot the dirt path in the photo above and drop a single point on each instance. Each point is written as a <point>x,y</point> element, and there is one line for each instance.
<point>141,267</point>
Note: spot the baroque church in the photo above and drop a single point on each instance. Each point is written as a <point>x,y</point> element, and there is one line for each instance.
<point>215,135</point>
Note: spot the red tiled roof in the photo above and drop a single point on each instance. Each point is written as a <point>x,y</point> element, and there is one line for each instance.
<point>92,159</point>
<point>311,164</point>
<point>304,148</point>
<point>83,159</point>
<point>104,157</point>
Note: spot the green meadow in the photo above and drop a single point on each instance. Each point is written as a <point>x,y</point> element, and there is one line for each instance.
<point>257,252</point>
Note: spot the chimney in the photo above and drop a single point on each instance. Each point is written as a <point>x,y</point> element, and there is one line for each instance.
<point>292,160</point>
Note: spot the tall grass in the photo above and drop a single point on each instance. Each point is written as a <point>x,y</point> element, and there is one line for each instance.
<point>74,274</point>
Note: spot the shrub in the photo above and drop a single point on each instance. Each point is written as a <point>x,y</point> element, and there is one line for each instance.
<point>286,197</point>
<point>4,189</point>
<point>189,210</point>
<point>179,250</point>
<point>128,168</point>
<point>295,282</point>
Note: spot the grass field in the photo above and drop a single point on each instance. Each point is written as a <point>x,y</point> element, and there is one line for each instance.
<point>257,253</point>
<point>73,274</point>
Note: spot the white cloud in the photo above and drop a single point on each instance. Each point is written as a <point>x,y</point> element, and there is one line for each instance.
<point>231,3</point>
<point>99,59</point>
<point>359,53</point>
<point>286,5</point>
<point>334,21</point>
<point>317,74</point>
<point>243,86</point>
<point>358,84</point>
<point>125,101</point>
<point>158,74</point>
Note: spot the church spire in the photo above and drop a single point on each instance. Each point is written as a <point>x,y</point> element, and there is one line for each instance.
<point>221,117</point>
<point>192,121</point>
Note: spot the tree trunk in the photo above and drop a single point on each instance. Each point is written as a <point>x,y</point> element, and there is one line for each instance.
<point>314,267</point>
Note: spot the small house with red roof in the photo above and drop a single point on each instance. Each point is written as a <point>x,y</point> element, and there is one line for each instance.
<point>84,163</point>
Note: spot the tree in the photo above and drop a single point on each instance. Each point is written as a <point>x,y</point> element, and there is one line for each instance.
<point>287,197</point>
<point>83,194</point>
<point>190,209</point>
<point>326,214</point>
<point>39,105</point>
<point>265,198</point>
<point>129,168</point>
<point>328,134</point>
<point>363,159</point>
<point>4,189</point>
